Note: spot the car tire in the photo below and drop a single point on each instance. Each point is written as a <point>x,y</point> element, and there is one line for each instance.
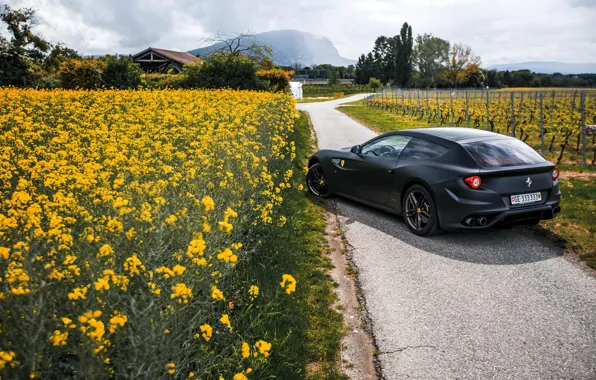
<point>422,219</point>
<point>316,182</point>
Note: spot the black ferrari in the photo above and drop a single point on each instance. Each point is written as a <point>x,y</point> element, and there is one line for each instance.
<point>442,179</point>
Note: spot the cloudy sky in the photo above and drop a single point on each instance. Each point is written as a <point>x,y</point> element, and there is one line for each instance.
<point>500,31</point>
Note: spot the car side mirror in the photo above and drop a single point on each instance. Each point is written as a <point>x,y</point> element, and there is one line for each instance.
<point>357,149</point>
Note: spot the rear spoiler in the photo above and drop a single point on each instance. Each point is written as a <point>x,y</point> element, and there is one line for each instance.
<point>519,169</point>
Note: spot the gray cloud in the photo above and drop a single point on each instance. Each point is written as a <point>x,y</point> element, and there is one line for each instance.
<point>499,31</point>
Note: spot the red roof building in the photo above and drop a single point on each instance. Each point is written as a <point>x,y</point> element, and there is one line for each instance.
<point>154,60</point>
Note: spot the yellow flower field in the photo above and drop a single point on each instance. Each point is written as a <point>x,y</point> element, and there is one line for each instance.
<point>124,218</point>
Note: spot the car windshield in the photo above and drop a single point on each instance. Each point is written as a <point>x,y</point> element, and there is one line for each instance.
<point>496,153</point>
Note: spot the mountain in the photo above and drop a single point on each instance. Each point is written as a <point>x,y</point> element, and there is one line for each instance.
<point>548,67</point>
<point>293,46</point>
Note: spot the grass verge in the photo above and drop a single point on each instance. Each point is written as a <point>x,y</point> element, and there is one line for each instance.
<point>379,120</point>
<point>310,335</point>
<point>576,225</point>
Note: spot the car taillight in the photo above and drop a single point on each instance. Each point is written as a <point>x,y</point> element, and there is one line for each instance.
<point>474,181</point>
<point>555,173</point>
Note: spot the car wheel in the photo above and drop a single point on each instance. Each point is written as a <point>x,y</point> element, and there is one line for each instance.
<point>316,182</point>
<point>420,212</point>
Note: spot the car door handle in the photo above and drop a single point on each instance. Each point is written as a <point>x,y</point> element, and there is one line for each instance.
<point>390,171</point>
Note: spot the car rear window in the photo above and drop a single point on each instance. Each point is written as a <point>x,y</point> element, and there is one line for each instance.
<point>496,153</point>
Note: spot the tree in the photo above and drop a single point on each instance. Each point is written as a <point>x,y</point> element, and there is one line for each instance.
<point>121,72</point>
<point>86,74</point>
<point>350,72</point>
<point>277,80</point>
<point>223,71</point>
<point>383,57</point>
<point>462,63</point>
<point>364,69</point>
<point>57,56</point>
<point>333,78</point>
<point>430,56</point>
<point>374,84</point>
<point>25,51</point>
<point>494,78</point>
<point>403,44</point>
<point>242,44</point>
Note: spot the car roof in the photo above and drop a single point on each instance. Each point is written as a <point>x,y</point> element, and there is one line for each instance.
<point>453,133</point>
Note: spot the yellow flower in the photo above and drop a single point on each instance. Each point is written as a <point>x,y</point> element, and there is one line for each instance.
<point>6,357</point>
<point>59,338</point>
<point>245,350</point>
<point>171,220</point>
<point>216,294</point>
<point>118,319</point>
<point>105,250</point>
<point>263,347</point>
<point>102,283</point>
<point>181,292</point>
<point>133,265</point>
<point>78,293</point>
<point>253,291</point>
<point>171,368</point>
<point>227,256</point>
<point>4,252</point>
<point>207,201</point>
<point>289,283</point>
<point>240,376</point>
<point>66,321</point>
<point>230,214</point>
<point>206,332</point>
<point>153,287</point>
<point>191,374</point>
<point>196,247</point>
<point>225,226</point>
<point>225,320</point>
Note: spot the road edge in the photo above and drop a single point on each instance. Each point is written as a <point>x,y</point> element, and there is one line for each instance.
<point>358,357</point>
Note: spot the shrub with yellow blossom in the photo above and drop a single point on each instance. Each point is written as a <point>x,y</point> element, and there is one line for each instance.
<point>131,223</point>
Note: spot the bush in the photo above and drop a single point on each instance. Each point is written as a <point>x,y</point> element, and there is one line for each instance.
<point>45,80</point>
<point>374,84</point>
<point>162,81</point>
<point>122,73</point>
<point>326,90</point>
<point>223,71</point>
<point>84,74</point>
<point>277,80</point>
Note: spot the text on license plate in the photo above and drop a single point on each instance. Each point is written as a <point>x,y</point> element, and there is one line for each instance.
<point>526,198</point>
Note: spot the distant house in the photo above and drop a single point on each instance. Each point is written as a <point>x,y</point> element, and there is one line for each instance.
<point>154,60</point>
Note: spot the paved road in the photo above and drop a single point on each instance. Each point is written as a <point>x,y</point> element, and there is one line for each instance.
<point>484,305</point>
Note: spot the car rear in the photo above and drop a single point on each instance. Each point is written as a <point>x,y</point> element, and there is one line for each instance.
<point>513,184</point>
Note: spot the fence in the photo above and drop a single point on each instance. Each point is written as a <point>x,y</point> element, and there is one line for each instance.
<point>552,121</point>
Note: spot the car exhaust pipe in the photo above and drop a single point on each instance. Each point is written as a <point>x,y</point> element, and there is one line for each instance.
<point>471,222</point>
<point>482,221</point>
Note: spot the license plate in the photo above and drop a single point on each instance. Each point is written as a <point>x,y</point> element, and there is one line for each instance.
<point>526,198</point>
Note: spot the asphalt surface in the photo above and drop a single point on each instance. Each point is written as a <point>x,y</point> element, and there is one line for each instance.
<point>496,304</point>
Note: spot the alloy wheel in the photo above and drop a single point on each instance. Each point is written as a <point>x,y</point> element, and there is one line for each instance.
<point>417,211</point>
<point>317,182</point>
